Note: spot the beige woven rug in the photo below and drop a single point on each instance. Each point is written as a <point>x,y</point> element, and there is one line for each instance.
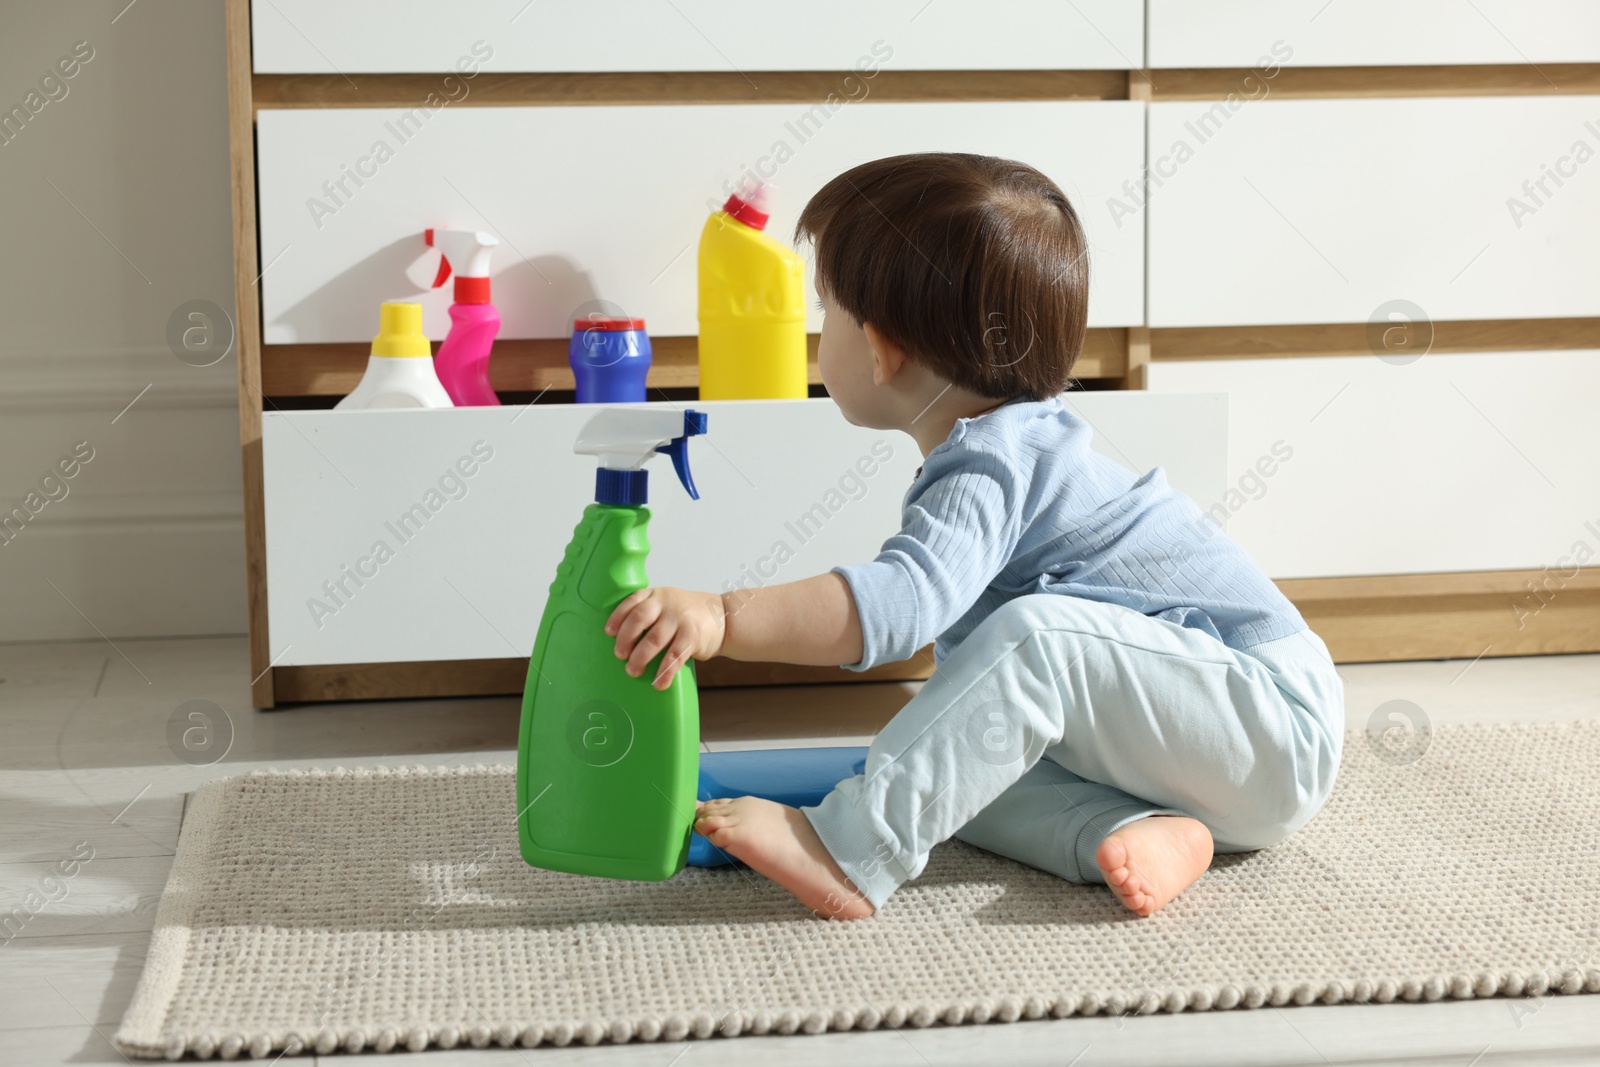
<point>389,909</point>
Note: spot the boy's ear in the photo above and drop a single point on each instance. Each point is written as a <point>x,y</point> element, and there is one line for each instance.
<point>887,357</point>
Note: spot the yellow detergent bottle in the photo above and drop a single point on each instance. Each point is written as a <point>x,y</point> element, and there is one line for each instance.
<point>752,306</point>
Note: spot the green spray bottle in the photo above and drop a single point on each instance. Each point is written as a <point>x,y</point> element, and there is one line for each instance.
<point>608,765</point>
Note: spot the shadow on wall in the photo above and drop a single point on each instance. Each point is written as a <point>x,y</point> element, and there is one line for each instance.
<point>367,283</point>
<point>540,297</point>
<point>536,297</point>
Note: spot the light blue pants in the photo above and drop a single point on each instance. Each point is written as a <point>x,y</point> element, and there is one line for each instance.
<point>1059,720</point>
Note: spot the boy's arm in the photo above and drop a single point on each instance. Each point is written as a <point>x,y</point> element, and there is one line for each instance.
<point>961,524</point>
<point>812,621</point>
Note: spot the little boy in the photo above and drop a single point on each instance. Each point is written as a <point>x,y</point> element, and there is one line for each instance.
<point>1119,691</point>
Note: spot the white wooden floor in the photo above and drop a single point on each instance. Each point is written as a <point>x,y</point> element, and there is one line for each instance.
<point>84,757</point>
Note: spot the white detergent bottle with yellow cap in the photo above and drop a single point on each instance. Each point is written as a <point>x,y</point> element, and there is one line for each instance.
<point>400,370</point>
<point>752,305</point>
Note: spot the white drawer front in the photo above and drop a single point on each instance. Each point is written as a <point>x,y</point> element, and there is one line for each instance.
<point>356,36</point>
<point>1451,463</point>
<point>1310,211</point>
<point>608,202</point>
<point>1358,33</point>
<point>467,578</point>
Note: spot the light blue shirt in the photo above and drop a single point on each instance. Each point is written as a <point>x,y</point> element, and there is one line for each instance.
<point>1014,502</point>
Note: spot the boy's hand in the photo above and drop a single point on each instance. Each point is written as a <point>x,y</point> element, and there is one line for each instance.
<point>683,623</point>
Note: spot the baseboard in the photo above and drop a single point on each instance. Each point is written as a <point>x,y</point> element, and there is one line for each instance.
<point>106,380</point>
<point>1453,616</point>
<point>144,538</point>
<point>101,572</point>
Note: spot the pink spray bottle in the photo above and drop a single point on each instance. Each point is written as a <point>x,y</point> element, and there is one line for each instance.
<point>463,359</point>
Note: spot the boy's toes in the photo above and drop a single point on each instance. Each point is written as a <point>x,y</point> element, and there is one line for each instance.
<point>722,838</point>
<point>714,816</point>
<point>1149,861</point>
<point>1113,860</point>
<point>1121,878</point>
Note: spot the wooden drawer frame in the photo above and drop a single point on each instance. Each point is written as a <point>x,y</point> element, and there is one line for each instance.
<point>1424,616</point>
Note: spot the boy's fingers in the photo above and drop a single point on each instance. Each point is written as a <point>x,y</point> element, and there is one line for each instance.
<point>658,638</point>
<point>677,655</point>
<point>640,619</point>
<point>621,611</point>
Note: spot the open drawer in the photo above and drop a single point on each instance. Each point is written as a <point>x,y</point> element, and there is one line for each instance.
<point>405,536</point>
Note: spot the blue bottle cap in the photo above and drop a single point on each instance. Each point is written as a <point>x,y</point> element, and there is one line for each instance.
<point>622,488</point>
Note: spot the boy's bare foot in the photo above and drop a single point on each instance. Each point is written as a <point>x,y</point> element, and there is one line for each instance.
<point>1151,860</point>
<point>778,841</point>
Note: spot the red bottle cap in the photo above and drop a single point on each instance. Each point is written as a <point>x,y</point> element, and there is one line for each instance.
<point>739,208</point>
<point>607,324</point>
<point>469,290</point>
<point>472,290</point>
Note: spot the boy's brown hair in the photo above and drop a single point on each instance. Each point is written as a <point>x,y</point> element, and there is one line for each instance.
<point>976,266</point>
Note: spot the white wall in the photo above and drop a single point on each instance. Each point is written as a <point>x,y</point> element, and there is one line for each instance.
<point>116,213</point>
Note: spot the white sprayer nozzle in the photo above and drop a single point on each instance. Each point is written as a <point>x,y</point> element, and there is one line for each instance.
<point>625,439</point>
<point>467,251</point>
<point>759,195</point>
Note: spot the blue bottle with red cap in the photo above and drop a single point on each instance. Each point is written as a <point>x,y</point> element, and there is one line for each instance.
<point>610,359</point>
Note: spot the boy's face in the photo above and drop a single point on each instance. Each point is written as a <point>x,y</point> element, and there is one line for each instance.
<point>844,359</point>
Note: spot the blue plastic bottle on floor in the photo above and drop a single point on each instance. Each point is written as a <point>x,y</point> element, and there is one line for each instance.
<point>798,777</point>
<point>610,358</point>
